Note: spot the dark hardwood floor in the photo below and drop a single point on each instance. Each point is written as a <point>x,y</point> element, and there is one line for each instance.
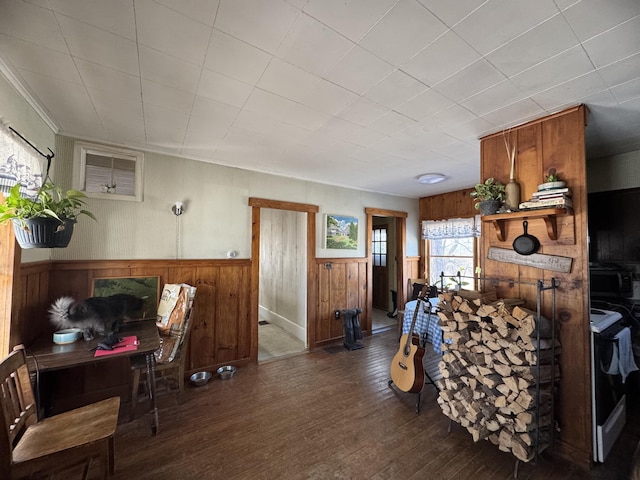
<point>327,414</point>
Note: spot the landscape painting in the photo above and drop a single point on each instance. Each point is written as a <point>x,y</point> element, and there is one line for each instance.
<point>341,232</point>
<point>146,288</point>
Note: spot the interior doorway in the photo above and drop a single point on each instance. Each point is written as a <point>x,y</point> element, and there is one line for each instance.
<point>295,224</point>
<point>386,235</point>
<point>384,266</point>
<point>282,319</point>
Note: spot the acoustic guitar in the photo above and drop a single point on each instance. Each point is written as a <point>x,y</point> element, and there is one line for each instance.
<point>407,371</point>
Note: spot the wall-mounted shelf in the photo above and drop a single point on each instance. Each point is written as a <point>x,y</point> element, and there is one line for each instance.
<point>549,216</point>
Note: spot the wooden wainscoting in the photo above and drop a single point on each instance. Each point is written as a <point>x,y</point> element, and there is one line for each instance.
<point>221,329</point>
<point>342,284</point>
<point>31,302</point>
<point>222,315</point>
<point>220,335</point>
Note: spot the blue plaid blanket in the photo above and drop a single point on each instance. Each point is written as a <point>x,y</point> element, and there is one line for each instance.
<point>426,323</point>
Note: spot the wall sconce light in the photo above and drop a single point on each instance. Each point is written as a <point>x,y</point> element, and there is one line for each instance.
<point>177,208</point>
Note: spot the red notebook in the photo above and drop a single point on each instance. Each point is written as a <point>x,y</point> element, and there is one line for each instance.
<point>128,344</point>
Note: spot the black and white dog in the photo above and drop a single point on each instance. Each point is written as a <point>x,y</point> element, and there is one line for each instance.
<point>95,316</point>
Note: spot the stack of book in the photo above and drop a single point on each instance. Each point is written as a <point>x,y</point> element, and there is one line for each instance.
<point>550,198</point>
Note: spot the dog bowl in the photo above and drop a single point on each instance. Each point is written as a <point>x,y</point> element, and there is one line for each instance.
<point>226,372</point>
<point>199,379</point>
<point>68,335</point>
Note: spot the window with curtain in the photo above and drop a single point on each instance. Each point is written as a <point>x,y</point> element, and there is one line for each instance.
<point>452,247</point>
<point>19,163</point>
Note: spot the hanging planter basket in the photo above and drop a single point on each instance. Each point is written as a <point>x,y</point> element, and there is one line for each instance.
<point>44,232</point>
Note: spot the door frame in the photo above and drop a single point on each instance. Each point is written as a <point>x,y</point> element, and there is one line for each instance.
<point>401,253</point>
<point>254,296</point>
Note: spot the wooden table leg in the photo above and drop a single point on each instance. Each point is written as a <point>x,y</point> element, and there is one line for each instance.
<point>151,388</point>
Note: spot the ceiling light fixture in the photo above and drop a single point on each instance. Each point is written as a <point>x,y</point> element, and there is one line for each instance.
<point>431,178</point>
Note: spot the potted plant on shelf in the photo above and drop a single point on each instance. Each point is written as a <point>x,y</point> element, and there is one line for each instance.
<point>46,220</point>
<point>488,196</point>
<point>551,181</point>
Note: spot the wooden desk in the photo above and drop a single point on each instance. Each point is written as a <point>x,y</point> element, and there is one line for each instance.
<point>50,356</point>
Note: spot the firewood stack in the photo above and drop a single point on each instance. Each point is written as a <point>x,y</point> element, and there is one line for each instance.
<point>489,371</point>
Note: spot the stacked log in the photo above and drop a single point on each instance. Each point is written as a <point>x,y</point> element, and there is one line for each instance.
<point>492,371</point>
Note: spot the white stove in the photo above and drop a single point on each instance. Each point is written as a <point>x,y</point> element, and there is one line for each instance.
<point>608,416</point>
<point>602,319</point>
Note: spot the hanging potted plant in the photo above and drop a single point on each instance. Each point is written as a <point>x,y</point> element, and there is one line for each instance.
<point>488,196</point>
<point>46,220</point>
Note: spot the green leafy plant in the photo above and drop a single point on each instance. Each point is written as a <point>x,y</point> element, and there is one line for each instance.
<point>491,189</point>
<point>552,176</point>
<point>457,280</point>
<point>51,201</point>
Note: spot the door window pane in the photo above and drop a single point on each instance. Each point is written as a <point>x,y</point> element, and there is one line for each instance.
<point>379,247</point>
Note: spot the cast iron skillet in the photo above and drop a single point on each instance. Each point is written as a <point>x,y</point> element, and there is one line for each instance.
<point>526,244</point>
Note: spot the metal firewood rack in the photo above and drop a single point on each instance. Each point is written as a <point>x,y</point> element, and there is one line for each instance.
<point>541,289</point>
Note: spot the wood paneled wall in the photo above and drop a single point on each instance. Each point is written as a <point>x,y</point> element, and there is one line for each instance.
<point>342,284</point>
<point>221,330</point>
<point>412,268</point>
<point>222,315</point>
<point>32,302</point>
<point>456,204</point>
<point>555,141</point>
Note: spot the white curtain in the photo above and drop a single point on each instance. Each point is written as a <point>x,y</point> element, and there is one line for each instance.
<point>451,228</point>
<point>19,163</point>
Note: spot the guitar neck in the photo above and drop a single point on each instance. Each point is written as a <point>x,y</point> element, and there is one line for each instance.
<point>421,297</point>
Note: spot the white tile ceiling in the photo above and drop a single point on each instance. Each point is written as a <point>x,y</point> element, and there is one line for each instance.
<point>367,94</point>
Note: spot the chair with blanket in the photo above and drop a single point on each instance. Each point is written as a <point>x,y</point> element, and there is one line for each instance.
<point>170,357</point>
<point>415,287</point>
<point>30,446</point>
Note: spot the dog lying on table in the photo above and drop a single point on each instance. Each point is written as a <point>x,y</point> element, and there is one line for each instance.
<point>95,316</point>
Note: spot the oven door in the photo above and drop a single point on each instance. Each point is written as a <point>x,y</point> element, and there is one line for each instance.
<point>608,391</point>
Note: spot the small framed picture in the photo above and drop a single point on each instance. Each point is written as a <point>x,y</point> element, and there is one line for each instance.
<point>341,232</point>
<point>146,288</point>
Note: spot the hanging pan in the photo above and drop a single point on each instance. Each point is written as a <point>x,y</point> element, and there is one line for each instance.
<point>526,244</point>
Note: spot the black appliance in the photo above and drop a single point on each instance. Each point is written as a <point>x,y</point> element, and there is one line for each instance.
<point>610,282</point>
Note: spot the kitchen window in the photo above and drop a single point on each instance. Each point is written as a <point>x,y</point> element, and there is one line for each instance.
<point>452,255</point>
<point>451,248</point>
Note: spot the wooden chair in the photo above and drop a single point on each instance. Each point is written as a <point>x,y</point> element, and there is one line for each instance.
<point>30,446</point>
<point>414,285</point>
<point>169,371</point>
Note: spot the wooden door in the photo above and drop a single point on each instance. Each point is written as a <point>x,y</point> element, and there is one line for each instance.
<point>380,268</point>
